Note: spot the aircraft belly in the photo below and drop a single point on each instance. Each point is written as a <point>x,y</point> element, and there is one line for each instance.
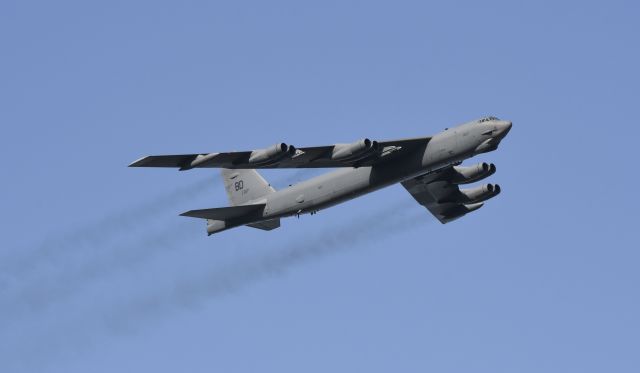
<point>321,192</point>
<point>334,192</point>
<point>334,188</point>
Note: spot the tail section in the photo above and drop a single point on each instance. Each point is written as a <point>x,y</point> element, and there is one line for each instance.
<point>243,186</point>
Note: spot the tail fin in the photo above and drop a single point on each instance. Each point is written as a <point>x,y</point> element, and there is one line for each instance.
<point>244,189</point>
<point>243,186</point>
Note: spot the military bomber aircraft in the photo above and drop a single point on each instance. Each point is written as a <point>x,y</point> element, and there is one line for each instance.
<point>428,167</point>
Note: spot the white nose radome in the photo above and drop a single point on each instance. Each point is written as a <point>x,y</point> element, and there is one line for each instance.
<point>503,127</point>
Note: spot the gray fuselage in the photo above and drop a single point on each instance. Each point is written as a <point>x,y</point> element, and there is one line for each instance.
<point>446,148</point>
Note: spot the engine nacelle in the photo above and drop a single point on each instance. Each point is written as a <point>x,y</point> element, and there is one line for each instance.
<point>470,174</point>
<point>272,154</point>
<point>355,151</point>
<point>480,193</point>
<point>472,195</point>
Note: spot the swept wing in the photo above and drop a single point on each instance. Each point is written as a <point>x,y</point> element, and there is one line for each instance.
<point>284,156</point>
<point>440,194</point>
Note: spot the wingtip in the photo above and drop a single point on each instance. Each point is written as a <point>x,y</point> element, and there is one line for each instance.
<point>138,162</point>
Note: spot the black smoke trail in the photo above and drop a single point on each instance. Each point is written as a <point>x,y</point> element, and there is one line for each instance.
<point>102,230</point>
<point>204,282</point>
<point>382,224</point>
<point>70,267</point>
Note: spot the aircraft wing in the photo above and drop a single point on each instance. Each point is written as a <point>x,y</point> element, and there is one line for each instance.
<point>360,153</point>
<point>440,194</point>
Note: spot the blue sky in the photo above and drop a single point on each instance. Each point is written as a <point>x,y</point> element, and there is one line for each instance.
<point>99,273</point>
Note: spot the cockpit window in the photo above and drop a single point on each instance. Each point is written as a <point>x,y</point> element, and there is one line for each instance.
<point>487,119</point>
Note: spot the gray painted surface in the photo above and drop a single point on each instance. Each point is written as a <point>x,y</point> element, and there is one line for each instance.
<point>426,167</point>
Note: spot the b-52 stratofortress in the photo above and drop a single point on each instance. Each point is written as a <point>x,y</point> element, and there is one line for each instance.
<point>428,167</point>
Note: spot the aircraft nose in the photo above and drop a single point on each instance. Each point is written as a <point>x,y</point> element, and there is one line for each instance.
<point>503,128</point>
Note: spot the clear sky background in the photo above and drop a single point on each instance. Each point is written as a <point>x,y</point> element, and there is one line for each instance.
<point>99,273</point>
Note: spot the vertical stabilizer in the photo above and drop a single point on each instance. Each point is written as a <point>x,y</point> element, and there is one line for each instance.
<point>243,186</point>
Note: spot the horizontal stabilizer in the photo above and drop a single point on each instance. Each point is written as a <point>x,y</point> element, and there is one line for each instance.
<point>226,213</point>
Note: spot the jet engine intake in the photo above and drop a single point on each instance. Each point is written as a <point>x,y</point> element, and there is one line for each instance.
<point>354,151</point>
<point>472,195</point>
<point>480,193</point>
<point>470,174</point>
<point>272,154</point>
